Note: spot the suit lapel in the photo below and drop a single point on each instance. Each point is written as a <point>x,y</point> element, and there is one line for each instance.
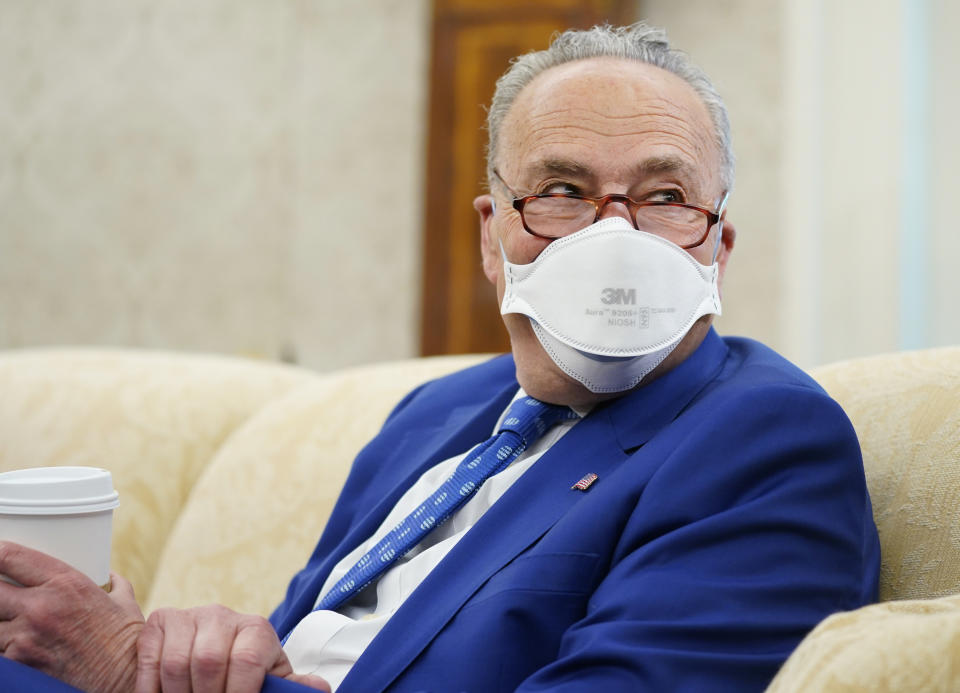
<point>639,416</point>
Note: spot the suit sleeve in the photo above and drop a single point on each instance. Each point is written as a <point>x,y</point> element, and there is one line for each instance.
<point>274,684</point>
<point>755,527</point>
<point>15,676</point>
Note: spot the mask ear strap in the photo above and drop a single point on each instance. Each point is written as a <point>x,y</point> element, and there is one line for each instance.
<point>721,210</point>
<point>716,243</point>
<point>493,206</point>
<point>503,251</point>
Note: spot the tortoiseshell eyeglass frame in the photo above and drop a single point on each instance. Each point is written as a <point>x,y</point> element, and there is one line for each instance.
<point>520,201</point>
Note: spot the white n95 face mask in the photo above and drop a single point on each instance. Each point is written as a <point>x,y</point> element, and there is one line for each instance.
<point>609,303</point>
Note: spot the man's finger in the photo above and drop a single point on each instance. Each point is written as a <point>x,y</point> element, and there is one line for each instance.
<point>255,651</point>
<point>149,649</point>
<point>7,631</point>
<point>11,601</point>
<point>211,652</point>
<point>284,669</point>
<point>121,592</point>
<point>309,680</point>
<point>28,566</point>
<point>179,631</point>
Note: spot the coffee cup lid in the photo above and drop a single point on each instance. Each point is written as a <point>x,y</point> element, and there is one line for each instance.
<point>56,491</point>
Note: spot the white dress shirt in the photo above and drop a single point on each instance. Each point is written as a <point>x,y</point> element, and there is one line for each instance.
<point>327,643</point>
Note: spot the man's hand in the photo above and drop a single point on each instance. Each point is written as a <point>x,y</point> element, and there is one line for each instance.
<point>211,649</point>
<point>64,625</point>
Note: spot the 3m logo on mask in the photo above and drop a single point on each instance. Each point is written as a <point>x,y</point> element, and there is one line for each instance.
<point>620,297</point>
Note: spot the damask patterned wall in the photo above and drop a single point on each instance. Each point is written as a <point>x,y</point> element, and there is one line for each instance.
<point>225,175</point>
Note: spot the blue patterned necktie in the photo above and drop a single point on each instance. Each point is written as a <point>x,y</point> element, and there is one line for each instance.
<point>526,420</point>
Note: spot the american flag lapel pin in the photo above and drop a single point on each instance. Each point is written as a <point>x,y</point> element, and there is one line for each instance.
<point>584,483</point>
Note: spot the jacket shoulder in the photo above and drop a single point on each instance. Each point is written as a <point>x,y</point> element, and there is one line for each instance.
<point>751,364</point>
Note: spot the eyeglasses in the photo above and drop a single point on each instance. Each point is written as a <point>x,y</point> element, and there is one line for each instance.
<point>555,215</point>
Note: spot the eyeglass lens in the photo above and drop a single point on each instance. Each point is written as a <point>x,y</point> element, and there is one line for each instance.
<point>562,216</point>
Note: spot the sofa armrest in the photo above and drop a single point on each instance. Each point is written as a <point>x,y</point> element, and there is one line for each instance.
<point>909,645</point>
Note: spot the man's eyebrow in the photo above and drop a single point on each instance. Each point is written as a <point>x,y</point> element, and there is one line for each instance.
<point>663,164</point>
<point>561,167</point>
<point>651,166</point>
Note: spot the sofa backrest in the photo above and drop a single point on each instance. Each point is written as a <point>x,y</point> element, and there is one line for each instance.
<point>227,468</point>
<point>153,419</point>
<point>906,410</point>
<point>255,514</point>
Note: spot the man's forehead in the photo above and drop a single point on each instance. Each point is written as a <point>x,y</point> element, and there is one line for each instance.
<point>639,112</point>
<point>599,69</point>
<point>616,83</point>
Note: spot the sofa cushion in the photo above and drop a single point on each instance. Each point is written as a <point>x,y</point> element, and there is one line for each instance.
<point>260,506</point>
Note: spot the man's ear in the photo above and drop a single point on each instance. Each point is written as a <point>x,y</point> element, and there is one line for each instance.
<point>489,241</point>
<point>727,240</point>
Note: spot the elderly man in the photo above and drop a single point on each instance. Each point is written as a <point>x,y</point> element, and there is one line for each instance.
<point>659,509</point>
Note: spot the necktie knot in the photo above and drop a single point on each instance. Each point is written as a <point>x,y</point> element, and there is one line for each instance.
<point>530,418</point>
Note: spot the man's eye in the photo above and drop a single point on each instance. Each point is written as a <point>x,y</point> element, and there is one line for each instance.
<point>560,187</point>
<point>668,195</point>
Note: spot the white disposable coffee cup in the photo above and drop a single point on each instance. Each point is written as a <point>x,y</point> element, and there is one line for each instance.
<point>63,511</point>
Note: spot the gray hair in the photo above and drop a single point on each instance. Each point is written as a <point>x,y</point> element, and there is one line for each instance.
<point>638,41</point>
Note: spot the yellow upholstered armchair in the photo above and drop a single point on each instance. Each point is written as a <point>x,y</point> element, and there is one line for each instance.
<point>211,456</point>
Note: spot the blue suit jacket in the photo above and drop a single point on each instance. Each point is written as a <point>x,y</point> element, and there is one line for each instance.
<point>729,517</point>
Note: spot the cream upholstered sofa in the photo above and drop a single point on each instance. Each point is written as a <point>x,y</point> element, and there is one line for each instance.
<point>228,468</point>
